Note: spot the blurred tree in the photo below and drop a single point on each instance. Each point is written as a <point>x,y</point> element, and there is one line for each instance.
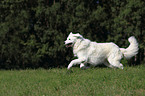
<point>32,32</point>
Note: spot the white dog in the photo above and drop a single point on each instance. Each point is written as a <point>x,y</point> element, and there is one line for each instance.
<point>97,53</point>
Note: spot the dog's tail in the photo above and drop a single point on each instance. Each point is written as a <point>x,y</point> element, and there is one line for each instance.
<point>132,50</point>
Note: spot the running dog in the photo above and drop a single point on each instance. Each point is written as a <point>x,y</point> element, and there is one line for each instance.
<point>99,53</point>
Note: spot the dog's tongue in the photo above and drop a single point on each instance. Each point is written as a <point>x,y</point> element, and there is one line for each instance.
<point>68,46</point>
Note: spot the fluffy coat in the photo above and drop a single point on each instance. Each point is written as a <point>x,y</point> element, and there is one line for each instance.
<point>99,53</point>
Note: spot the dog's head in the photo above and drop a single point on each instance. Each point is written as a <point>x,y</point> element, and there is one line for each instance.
<point>72,38</point>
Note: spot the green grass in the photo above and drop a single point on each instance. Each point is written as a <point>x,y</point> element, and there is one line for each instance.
<point>60,82</point>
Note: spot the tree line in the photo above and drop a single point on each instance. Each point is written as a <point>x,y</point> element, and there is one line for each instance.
<point>32,32</point>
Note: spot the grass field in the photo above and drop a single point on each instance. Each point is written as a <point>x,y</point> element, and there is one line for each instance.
<point>60,82</point>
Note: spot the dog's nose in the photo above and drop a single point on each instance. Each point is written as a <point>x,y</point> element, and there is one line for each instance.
<point>64,42</point>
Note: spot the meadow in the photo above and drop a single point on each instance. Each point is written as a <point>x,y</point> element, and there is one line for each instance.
<point>96,81</point>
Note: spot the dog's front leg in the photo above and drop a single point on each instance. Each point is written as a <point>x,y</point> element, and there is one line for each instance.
<point>76,61</point>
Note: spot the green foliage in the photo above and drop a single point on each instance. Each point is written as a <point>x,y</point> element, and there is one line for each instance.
<point>32,32</point>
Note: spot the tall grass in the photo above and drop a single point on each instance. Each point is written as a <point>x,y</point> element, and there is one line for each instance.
<point>60,82</point>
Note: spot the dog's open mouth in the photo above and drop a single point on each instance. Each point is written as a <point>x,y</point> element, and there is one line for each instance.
<point>69,45</point>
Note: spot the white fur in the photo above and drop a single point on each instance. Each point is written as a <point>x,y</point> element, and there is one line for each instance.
<point>99,53</point>
<point>132,50</point>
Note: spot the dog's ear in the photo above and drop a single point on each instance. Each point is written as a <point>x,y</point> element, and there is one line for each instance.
<point>78,35</point>
<point>70,33</point>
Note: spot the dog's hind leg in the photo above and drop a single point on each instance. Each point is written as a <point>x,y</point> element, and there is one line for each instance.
<point>115,63</point>
<point>108,65</point>
<point>114,58</point>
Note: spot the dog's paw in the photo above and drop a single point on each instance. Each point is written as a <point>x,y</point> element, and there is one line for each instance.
<point>82,65</point>
<point>69,66</point>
